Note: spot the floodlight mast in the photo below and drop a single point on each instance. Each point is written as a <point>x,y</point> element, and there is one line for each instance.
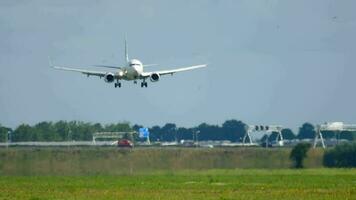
<point>318,136</point>
<point>247,136</point>
<point>260,128</point>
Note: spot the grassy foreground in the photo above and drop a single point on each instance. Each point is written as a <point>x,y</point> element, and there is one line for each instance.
<point>112,161</point>
<point>206,184</point>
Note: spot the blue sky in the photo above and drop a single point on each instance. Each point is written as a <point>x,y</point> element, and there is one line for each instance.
<point>270,61</point>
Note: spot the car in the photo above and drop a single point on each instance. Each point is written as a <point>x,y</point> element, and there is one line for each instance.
<point>125,143</point>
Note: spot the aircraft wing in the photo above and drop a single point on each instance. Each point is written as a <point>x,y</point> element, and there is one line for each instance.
<point>108,66</point>
<point>86,72</point>
<point>172,71</point>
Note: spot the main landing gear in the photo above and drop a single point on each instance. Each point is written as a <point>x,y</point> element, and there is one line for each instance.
<point>144,84</point>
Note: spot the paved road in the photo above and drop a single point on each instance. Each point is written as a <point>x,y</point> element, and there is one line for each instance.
<point>70,143</point>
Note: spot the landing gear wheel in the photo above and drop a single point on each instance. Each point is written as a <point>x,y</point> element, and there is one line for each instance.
<point>118,85</point>
<point>144,84</point>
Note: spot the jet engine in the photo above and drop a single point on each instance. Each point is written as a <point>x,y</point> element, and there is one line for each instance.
<point>109,77</point>
<point>154,77</point>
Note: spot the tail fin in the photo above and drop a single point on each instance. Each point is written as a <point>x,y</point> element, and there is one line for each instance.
<point>126,51</point>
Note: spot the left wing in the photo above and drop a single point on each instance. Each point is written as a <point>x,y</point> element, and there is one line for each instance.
<point>83,71</point>
<point>86,72</point>
<point>172,71</point>
<point>108,66</point>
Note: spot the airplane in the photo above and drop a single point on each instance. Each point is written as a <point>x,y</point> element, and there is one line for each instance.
<point>132,70</point>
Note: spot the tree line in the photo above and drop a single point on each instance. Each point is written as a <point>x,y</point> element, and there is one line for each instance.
<point>232,130</point>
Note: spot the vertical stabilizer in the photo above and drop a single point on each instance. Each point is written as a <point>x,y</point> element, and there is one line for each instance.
<point>126,51</point>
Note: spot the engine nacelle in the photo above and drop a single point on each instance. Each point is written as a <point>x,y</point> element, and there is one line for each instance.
<point>154,77</point>
<point>109,77</point>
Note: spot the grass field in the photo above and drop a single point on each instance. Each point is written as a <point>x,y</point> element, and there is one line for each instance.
<point>113,161</point>
<point>172,173</point>
<point>207,184</point>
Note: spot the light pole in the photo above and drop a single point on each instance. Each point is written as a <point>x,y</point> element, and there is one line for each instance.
<point>69,137</point>
<point>175,135</point>
<point>8,138</point>
<point>197,137</point>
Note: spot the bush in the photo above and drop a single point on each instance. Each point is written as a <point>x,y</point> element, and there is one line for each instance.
<point>343,155</point>
<point>299,153</point>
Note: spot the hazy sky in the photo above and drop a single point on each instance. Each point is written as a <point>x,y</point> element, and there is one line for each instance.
<point>271,61</point>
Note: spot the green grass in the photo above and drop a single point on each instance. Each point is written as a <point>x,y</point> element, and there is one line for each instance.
<point>191,184</point>
<point>112,161</point>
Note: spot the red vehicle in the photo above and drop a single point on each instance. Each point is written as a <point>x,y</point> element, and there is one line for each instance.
<point>125,143</point>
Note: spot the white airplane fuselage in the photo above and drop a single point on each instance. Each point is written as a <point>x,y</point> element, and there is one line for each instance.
<point>132,71</point>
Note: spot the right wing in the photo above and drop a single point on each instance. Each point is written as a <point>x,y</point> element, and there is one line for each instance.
<point>149,65</point>
<point>172,71</point>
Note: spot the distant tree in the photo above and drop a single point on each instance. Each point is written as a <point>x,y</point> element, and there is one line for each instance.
<point>343,155</point>
<point>136,127</point>
<point>97,127</point>
<point>329,134</point>
<point>155,133</point>
<point>45,131</point>
<point>210,132</point>
<point>169,132</point>
<point>62,129</point>
<point>234,130</point>
<point>299,153</point>
<point>118,127</point>
<point>24,132</point>
<point>348,135</point>
<point>4,133</point>
<point>185,134</point>
<point>307,131</point>
<point>288,134</point>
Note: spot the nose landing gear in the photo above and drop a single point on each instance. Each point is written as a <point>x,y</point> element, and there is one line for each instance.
<point>117,84</point>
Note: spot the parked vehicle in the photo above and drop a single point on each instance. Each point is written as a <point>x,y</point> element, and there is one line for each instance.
<point>125,143</point>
